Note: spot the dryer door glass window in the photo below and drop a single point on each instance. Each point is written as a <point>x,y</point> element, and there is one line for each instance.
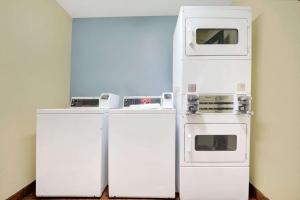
<point>215,142</point>
<point>216,36</point>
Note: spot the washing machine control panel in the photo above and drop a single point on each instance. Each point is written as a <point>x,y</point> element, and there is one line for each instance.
<point>139,100</point>
<point>164,101</point>
<point>105,101</point>
<point>84,102</point>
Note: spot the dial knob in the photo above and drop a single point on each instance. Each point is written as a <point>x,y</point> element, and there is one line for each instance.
<point>193,109</point>
<point>192,98</point>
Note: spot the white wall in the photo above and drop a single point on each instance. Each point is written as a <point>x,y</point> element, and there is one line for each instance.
<point>35,38</point>
<point>275,144</point>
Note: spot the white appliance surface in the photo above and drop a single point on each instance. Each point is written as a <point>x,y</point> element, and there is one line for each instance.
<point>77,110</point>
<point>214,183</point>
<point>142,153</point>
<point>216,76</point>
<point>71,152</point>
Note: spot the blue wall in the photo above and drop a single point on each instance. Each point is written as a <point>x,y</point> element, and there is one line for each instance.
<point>123,55</point>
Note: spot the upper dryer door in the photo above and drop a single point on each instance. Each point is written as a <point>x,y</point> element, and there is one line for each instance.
<point>216,37</point>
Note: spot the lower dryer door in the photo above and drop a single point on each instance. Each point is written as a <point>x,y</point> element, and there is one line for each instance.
<point>214,143</point>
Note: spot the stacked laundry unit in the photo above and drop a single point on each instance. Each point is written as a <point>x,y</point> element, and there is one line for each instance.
<point>212,93</point>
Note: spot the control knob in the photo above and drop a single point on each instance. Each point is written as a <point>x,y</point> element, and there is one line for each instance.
<point>192,109</point>
<point>192,98</point>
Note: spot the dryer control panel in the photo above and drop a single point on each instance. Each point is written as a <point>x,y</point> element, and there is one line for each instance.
<point>224,103</point>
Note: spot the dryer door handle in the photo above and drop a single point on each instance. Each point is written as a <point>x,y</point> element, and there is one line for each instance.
<point>191,38</point>
<point>189,143</point>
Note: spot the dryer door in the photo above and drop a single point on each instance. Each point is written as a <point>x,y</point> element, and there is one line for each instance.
<point>213,143</point>
<point>216,37</point>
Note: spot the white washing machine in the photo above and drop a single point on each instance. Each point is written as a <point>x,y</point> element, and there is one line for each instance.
<point>71,148</point>
<point>142,148</point>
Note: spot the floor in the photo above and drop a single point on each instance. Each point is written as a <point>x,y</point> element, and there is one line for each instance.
<point>104,196</point>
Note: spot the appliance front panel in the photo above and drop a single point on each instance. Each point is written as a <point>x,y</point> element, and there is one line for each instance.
<point>216,37</point>
<point>141,155</point>
<point>68,156</point>
<point>217,76</point>
<point>215,143</point>
<point>214,183</point>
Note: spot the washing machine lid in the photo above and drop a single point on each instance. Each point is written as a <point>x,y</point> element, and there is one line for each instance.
<point>142,111</point>
<point>72,111</point>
